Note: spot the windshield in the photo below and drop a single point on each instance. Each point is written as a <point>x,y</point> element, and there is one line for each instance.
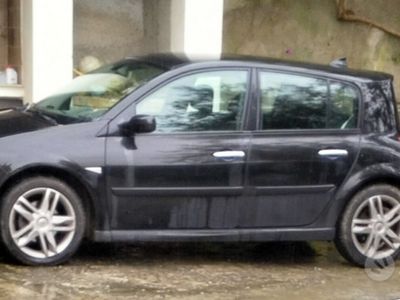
<point>90,96</point>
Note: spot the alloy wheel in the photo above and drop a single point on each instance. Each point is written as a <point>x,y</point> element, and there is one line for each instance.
<point>42,223</point>
<point>375,227</point>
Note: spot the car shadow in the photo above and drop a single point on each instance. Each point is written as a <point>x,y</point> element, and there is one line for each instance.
<point>150,253</point>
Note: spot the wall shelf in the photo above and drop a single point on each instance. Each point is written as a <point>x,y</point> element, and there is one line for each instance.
<point>11,91</point>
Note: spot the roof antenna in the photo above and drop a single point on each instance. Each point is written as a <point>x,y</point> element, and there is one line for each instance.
<point>339,63</point>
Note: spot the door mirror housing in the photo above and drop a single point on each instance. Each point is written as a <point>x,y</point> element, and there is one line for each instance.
<point>138,124</point>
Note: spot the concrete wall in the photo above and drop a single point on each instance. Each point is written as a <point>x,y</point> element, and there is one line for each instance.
<point>14,35</point>
<point>108,30</point>
<point>10,34</point>
<point>157,25</point>
<point>3,34</point>
<point>111,30</point>
<point>308,30</point>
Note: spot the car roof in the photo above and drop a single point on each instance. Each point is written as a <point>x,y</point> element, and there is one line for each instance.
<point>175,60</point>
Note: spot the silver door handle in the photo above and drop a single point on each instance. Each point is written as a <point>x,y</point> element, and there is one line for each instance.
<point>229,154</point>
<point>333,152</point>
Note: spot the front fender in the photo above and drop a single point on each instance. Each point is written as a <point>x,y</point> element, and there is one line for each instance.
<point>93,183</point>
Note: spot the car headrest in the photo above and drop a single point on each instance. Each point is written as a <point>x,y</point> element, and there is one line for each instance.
<point>204,99</point>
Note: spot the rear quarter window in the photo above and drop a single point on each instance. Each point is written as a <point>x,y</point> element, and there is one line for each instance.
<point>379,107</point>
<point>291,101</point>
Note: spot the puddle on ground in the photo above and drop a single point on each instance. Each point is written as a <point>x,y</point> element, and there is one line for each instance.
<point>198,271</point>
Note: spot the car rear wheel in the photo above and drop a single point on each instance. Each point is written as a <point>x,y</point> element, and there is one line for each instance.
<point>42,221</point>
<point>369,231</point>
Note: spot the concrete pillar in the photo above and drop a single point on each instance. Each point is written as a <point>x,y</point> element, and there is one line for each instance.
<point>47,46</point>
<point>196,27</point>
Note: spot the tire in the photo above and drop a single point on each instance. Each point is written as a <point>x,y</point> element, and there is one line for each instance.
<point>368,233</point>
<point>42,221</point>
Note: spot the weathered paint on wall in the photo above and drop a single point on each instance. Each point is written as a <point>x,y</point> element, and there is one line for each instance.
<point>308,30</point>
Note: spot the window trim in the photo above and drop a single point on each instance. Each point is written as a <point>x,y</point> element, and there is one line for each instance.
<point>328,80</point>
<point>246,104</point>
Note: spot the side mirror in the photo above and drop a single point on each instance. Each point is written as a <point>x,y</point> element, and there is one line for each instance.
<point>138,124</point>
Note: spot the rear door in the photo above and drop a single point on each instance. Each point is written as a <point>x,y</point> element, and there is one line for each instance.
<point>306,143</point>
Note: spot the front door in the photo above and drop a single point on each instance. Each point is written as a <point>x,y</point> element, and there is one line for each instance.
<point>306,143</point>
<point>189,173</point>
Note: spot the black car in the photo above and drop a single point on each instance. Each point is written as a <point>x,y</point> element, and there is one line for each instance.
<point>161,148</point>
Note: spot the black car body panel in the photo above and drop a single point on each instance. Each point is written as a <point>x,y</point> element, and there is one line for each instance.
<point>70,150</point>
<point>181,167</point>
<point>170,187</point>
<point>295,168</point>
<point>17,120</point>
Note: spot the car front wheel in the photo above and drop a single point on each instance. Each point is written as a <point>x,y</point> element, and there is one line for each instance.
<point>42,221</point>
<point>369,231</point>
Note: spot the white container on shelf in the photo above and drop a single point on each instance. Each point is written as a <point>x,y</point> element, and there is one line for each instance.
<point>11,75</point>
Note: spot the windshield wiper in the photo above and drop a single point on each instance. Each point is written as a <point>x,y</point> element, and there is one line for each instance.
<point>42,115</point>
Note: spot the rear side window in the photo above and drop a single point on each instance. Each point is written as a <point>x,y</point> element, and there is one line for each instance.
<point>299,102</point>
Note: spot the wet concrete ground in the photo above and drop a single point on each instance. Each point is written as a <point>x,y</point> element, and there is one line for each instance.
<point>198,271</point>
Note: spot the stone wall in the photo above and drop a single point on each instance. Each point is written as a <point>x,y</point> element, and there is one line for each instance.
<point>308,30</point>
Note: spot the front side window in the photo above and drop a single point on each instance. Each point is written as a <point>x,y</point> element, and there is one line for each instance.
<point>209,101</point>
<point>299,102</point>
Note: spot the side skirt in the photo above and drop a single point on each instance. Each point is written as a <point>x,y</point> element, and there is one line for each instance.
<point>216,235</point>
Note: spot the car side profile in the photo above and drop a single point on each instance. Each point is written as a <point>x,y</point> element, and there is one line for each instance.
<point>163,148</point>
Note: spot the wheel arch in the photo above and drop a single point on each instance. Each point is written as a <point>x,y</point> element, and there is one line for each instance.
<point>389,179</point>
<point>67,176</point>
<point>346,243</point>
<point>356,182</point>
